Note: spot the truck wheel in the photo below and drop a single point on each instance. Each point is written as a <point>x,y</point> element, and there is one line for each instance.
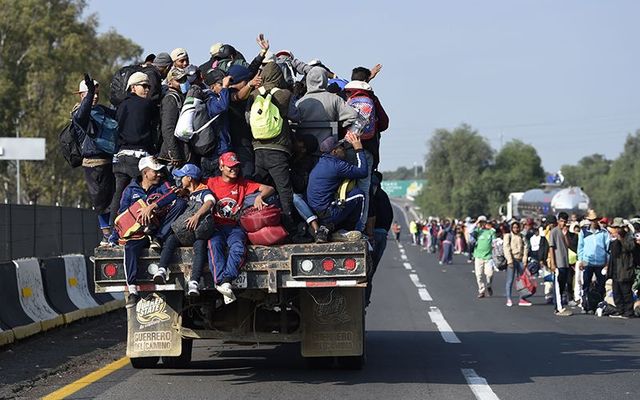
<point>183,360</point>
<point>144,362</point>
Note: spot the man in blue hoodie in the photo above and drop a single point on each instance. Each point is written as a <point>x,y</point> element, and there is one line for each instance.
<point>593,247</point>
<point>325,180</point>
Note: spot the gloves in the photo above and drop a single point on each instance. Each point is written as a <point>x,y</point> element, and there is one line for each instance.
<point>89,82</point>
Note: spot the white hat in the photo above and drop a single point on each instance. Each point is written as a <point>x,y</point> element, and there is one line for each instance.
<point>137,78</point>
<point>481,218</point>
<point>215,48</point>
<point>178,53</point>
<point>82,87</point>
<point>149,162</point>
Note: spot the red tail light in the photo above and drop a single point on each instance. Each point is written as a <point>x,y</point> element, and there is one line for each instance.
<point>350,264</point>
<point>328,264</point>
<point>110,270</point>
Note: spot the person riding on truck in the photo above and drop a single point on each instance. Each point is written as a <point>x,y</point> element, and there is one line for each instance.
<point>230,191</point>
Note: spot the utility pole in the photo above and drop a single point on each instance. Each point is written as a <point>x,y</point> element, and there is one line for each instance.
<point>415,170</point>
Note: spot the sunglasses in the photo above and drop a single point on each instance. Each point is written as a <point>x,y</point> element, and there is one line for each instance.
<point>144,85</point>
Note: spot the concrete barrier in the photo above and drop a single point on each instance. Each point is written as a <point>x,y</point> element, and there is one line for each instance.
<point>6,337</point>
<point>32,297</point>
<point>54,279</point>
<point>110,301</point>
<point>11,313</point>
<point>77,285</point>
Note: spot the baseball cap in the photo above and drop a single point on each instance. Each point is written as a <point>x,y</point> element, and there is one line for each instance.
<point>229,159</point>
<point>481,218</point>
<point>190,170</point>
<point>329,144</point>
<point>178,53</point>
<point>137,78</point>
<point>215,48</point>
<point>225,51</point>
<point>176,73</point>
<point>162,60</point>
<point>212,76</point>
<point>82,87</point>
<point>149,162</point>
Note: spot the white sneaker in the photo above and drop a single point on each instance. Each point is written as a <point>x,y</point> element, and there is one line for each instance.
<point>346,236</point>
<point>161,276</point>
<point>193,289</point>
<point>227,292</point>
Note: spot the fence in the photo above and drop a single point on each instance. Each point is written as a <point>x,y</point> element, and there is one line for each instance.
<point>45,231</point>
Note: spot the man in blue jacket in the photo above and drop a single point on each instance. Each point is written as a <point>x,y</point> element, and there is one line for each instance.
<point>325,180</point>
<point>593,248</point>
<point>149,183</point>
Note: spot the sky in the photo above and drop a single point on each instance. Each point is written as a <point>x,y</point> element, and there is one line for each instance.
<point>562,76</point>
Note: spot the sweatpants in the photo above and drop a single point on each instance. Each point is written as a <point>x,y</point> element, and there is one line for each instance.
<point>347,215</point>
<point>226,252</point>
<point>623,297</point>
<point>169,248</point>
<point>560,282</point>
<point>275,164</point>
<point>484,274</point>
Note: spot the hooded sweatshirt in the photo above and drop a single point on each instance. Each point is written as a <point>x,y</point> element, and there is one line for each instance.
<point>272,78</point>
<point>318,105</point>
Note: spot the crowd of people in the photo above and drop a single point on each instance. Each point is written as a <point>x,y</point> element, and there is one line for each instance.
<point>587,263</point>
<point>226,136</point>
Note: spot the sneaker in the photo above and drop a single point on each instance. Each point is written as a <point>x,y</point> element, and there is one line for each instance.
<point>155,245</point>
<point>489,292</point>
<point>480,295</point>
<point>524,303</point>
<point>227,292</point>
<point>322,234</point>
<point>564,313</point>
<point>619,316</point>
<point>509,303</point>
<point>599,312</point>
<point>105,241</point>
<point>572,304</point>
<point>132,300</point>
<point>161,276</point>
<point>193,289</point>
<point>346,236</point>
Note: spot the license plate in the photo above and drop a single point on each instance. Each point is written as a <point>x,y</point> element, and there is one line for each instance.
<point>241,281</point>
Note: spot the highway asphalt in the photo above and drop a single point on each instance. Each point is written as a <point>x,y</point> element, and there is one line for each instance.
<point>428,336</point>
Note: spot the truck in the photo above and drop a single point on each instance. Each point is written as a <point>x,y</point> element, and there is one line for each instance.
<point>312,294</point>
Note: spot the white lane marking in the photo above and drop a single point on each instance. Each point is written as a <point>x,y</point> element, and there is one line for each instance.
<point>407,265</point>
<point>403,257</point>
<point>478,385</point>
<point>402,251</point>
<point>416,280</point>
<point>400,246</point>
<point>413,270</point>
<point>424,294</point>
<point>443,326</point>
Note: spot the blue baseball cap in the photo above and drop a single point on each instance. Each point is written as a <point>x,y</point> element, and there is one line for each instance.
<point>190,170</point>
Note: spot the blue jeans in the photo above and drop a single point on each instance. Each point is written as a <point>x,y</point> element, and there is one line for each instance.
<point>225,268</point>
<point>447,252</point>
<point>300,203</point>
<point>199,255</point>
<point>511,276</point>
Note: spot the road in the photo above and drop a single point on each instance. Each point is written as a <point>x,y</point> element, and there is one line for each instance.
<point>428,336</point>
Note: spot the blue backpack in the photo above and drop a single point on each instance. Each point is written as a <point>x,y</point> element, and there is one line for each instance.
<point>105,131</point>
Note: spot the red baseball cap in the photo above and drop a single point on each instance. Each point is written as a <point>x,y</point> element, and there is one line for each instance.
<point>229,159</point>
<point>604,220</point>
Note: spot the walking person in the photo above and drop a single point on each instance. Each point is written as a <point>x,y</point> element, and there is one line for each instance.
<point>484,236</point>
<point>516,254</point>
<point>559,263</point>
<point>622,269</point>
<point>396,230</point>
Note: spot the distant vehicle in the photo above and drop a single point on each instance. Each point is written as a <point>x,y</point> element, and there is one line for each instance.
<point>550,199</point>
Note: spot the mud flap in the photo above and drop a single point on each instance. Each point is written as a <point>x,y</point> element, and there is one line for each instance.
<point>153,326</point>
<point>332,322</point>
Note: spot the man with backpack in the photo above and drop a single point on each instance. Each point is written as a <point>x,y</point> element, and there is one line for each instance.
<point>484,235</point>
<point>173,150</point>
<point>156,72</point>
<point>217,104</point>
<point>91,121</point>
<point>593,257</point>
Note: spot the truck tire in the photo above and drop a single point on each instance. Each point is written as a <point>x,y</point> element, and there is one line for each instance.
<point>183,360</point>
<point>144,362</point>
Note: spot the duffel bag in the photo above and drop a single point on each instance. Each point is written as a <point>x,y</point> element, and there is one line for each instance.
<point>252,219</point>
<point>268,236</point>
<point>204,229</point>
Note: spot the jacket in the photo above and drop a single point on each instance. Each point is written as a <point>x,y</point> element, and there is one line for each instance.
<point>172,148</point>
<point>136,128</point>
<point>84,128</point>
<point>326,176</point>
<point>318,105</point>
<point>272,78</point>
<point>134,192</point>
<point>515,248</point>
<point>219,104</point>
<point>622,266</point>
<point>593,247</point>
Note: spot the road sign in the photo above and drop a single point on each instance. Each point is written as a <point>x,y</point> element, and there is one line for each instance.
<point>12,148</point>
<point>403,188</point>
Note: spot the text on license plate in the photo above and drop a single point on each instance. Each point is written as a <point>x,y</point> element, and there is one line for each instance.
<point>241,281</point>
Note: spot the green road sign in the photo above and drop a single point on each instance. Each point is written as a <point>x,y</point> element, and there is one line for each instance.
<point>403,188</point>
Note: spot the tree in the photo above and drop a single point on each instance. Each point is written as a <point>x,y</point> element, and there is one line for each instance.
<point>591,174</point>
<point>623,181</point>
<point>455,164</point>
<point>404,173</point>
<point>45,49</point>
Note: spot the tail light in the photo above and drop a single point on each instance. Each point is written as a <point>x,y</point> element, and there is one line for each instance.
<point>328,264</point>
<point>110,270</point>
<point>306,265</point>
<point>349,264</point>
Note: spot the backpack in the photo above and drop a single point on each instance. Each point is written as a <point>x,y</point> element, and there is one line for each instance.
<point>367,110</point>
<point>264,117</point>
<point>105,130</point>
<point>205,133</point>
<point>592,297</point>
<point>497,254</point>
<point>119,83</point>
<point>204,230</point>
<point>70,145</point>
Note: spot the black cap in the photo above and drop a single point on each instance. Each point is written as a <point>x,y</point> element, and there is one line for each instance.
<point>212,76</point>
<point>225,51</point>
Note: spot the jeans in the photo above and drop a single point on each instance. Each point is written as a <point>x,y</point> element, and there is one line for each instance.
<point>511,276</point>
<point>199,255</point>
<point>303,208</point>
<point>224,268</point>
<point>447,252</point>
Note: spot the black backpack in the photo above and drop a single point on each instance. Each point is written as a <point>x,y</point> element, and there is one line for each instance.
<point>119,83</point>
<point>70,145</point>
